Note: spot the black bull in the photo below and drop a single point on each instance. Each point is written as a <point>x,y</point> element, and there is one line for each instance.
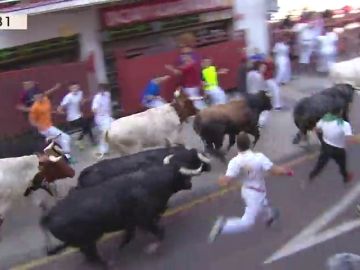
<point>127,201</point>
<point>104,170</point>
<point>308,111</point>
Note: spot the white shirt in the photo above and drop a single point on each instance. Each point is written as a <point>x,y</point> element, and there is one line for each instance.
<point>255,82</point>
<point>281,49</point>
<point>328,43</point>
<point>253,168</point>
<point>335,134</point>
<point>101,104</point>
<point>307,36</point>
<point>71,103</point>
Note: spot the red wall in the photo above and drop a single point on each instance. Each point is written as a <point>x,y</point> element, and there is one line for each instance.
<point>134,74</point>
<point>12,121</point>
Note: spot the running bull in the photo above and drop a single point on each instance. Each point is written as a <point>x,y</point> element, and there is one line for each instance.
<point>308,111</point>
<point>213,123</point>
<point>152,128</point>
<point>130,201</point>
<point>21,175</point>
<point>102,171</point>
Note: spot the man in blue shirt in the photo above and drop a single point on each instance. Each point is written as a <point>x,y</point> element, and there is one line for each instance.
<point>257,56</point>
<point>151,97</point>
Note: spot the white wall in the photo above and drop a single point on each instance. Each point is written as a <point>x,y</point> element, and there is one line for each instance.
<point>46,26</point>
<point>254,22</point>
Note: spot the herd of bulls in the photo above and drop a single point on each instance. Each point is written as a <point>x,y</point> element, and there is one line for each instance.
<point>132,191</point>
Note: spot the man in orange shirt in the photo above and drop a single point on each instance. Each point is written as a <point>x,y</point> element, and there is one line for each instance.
<point>40,117</point>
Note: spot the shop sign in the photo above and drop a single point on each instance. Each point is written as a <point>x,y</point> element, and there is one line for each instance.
<point>120,15</point>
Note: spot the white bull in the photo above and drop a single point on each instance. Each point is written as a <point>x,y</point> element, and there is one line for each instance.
<point>152,128</point>
<point>346,72</point>
<point>20,176</point>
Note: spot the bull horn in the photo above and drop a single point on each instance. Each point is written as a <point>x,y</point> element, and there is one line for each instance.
<point>54,159</point>
<point>190,172</point>
<point>203,158</point>
<point>49,147</point>
<point>167,159</point>
<point>58,149</point>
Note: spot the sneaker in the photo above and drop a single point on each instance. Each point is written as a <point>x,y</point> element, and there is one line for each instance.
<point>216,229</point>
<point>275,217</point>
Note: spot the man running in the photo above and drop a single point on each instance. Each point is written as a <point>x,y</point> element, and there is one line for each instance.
<point>151,97</point>
<point>191,78</point>
<point>40,117</point>
<point>101,107</point>
<point>211,82</point>
<point>253,167</point>
<point>72,104</point>
<point>335,133</point>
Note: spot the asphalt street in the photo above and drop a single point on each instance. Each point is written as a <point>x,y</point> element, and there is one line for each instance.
<point>186,247</point>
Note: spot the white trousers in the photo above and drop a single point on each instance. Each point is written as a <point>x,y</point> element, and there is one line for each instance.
<point>217,95</point>
<point>195,92</point>
<point>274,89</point>
<point>283,66</point>
<point>263,118</point>
<point>325,61</point>
<point>256,204</point>
<point>305,53</point>
<point>103,123</point>
<point>64,140</point>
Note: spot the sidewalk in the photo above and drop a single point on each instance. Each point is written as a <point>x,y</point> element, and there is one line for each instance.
<point>22,239</point>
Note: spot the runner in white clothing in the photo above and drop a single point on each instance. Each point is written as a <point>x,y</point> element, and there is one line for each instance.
<point>101,107</point>
<point>255,82</point>
<point>335,133</point>
<point>253,167</point>
<point>71,104</point>
<point>327,44</point>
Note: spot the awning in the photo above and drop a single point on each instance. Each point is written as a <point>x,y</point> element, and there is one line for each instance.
<point>47,6</point>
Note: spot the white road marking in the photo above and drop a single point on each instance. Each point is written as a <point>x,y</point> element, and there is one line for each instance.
<point>311,235</point>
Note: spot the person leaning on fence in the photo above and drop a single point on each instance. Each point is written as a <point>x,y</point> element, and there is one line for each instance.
<point>211,83</point>
<point>40,117</point>
<point>71,103</point>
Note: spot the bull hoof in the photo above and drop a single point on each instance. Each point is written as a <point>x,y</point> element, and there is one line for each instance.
<point>152,248</point>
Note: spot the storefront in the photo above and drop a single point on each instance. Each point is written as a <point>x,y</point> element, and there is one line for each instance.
<point>104,33</point>
<point>148,29</point>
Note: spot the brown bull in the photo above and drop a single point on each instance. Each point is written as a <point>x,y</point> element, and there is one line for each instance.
<point>213,123</point>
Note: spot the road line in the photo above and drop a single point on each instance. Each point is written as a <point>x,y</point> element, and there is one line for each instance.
<point>319,223</point>
<point>320,238</point>
<point>171,212</point>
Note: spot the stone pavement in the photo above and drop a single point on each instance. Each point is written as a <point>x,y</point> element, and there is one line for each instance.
<point>22,240</point>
